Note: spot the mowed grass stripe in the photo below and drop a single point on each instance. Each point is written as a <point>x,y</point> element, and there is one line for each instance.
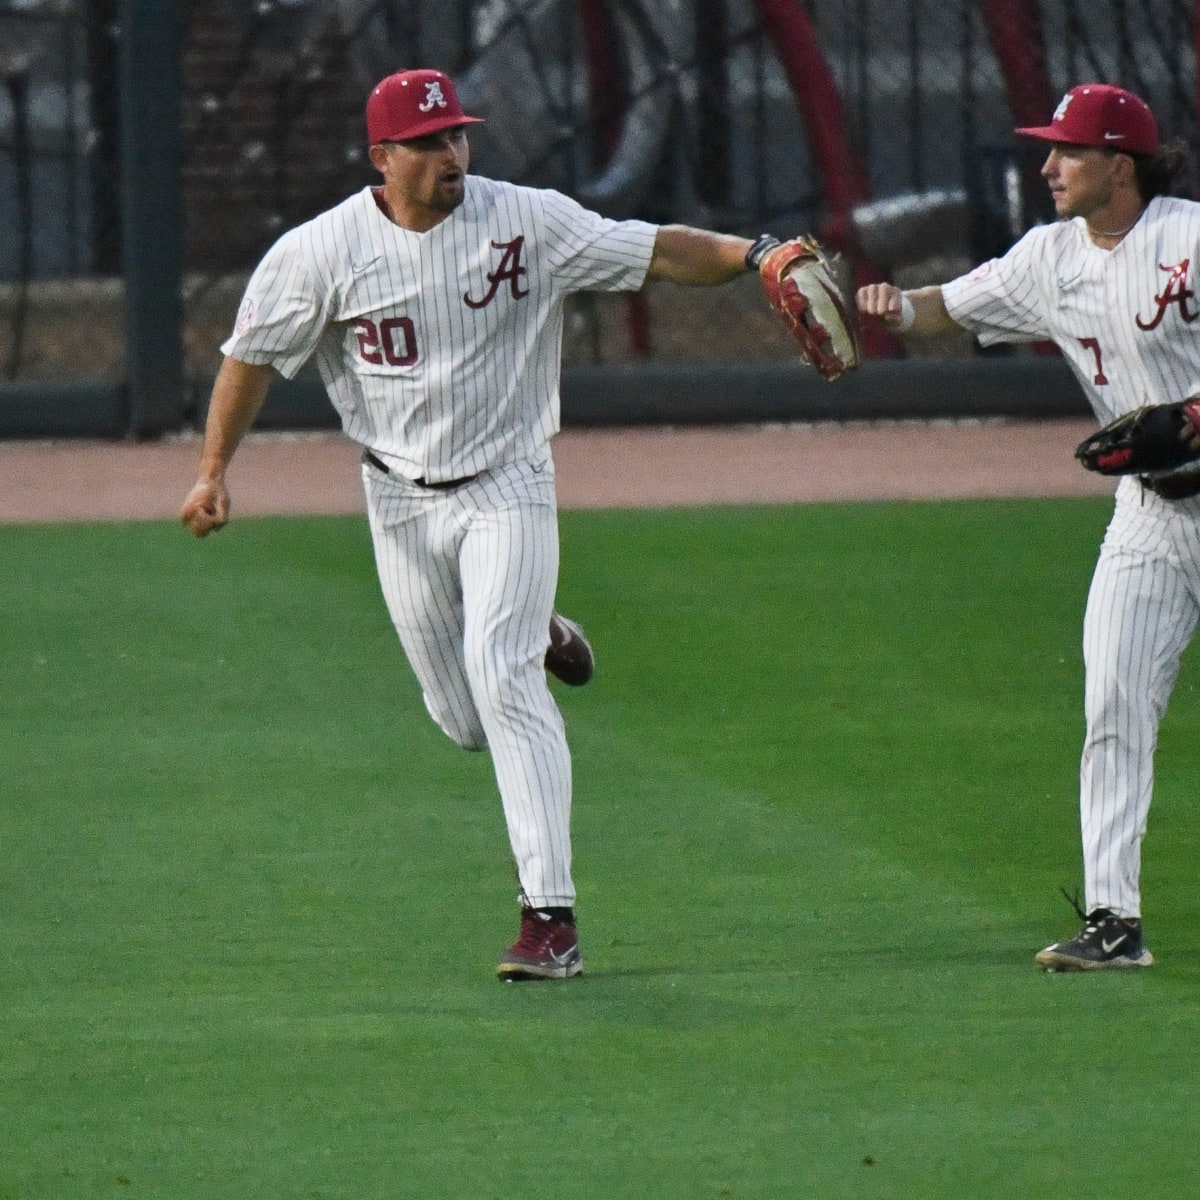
<point>825,798</point>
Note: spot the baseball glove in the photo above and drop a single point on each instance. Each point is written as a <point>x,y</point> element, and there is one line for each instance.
<point>1152,441</point>
<point>800,287</point>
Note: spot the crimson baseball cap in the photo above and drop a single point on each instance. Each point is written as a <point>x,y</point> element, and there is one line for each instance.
<point>411,104</point>
<point>1098,114</point>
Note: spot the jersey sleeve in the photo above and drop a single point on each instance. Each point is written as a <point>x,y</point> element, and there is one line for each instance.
<point>588,252</point>
<point>283,312</point>
<point>1003,300</point>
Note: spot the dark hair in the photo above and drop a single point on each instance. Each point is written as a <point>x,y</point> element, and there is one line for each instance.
<point>1159,173</point>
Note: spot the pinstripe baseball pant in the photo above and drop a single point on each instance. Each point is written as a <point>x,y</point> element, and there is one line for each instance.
<point>469,577</point>
<point>1141,613</point>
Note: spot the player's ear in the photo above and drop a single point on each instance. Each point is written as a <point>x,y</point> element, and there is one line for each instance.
<point>378,155</point>
<point>1126,166</point>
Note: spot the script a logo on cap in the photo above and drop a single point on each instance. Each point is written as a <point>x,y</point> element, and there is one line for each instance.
<point>433,97</point>
<point>1063,104</point>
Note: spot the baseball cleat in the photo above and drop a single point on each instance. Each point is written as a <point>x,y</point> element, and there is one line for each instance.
<point>569,657</point>
<point>546,949</point>
<point>1105,941</point>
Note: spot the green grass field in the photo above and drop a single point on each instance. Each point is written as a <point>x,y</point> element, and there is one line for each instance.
<point>825,798</point>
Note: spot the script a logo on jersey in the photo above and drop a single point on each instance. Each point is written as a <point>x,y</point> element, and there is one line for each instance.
<point>433,98</point>
<point>1176,292</point>
<point>509,268</point>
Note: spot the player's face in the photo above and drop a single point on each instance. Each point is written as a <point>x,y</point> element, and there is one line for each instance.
<point>426,174</point>
<point>1081,178</point>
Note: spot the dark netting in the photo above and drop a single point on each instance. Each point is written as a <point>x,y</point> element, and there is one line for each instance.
<point>883,126</point>
<point>59,307</point>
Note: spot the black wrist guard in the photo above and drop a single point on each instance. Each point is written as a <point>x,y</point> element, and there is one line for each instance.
<point>762,243</point>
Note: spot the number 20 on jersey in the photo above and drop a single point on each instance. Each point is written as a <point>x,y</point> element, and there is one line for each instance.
<point>392,341</point>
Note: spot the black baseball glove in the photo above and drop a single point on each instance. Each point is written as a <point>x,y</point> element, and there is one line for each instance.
<point>1153,441</point>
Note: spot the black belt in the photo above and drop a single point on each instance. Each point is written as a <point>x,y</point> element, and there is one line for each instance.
<point>443,485</point>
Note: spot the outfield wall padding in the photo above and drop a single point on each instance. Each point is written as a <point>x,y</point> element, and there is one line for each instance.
<point>705,394</point>
<point>650,394</point>
<point>50,410</point>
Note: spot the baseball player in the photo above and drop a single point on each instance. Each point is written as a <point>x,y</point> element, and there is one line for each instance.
<point>1113,285</point>
<point>432,306</point>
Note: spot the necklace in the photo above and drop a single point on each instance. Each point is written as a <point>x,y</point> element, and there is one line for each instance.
<point>1120,232</point>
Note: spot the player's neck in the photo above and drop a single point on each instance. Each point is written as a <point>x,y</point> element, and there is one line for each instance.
<point>416,218</point>
<point>1109,227</point>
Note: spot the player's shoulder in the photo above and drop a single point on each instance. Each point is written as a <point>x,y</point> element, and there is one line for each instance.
<point>546,199</point>
<point>486,195</point>
<point>544,212</point>
<point>1055,235</point>
<point>1173,210</point>
<point>328,238</point>
<point>348,216</point>
<point>1038,246</point>
<point>1165,206</point>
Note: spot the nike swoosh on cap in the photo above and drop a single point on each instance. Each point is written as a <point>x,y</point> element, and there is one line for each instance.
<point>1113,137</point>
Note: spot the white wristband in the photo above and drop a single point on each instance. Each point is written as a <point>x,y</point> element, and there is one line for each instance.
<point>908,314</point>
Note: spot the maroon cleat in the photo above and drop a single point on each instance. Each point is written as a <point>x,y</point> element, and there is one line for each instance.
<point>569,657</point>
<point>546,949</point>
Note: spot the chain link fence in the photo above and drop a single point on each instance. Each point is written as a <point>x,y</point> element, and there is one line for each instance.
<point>883,126</point>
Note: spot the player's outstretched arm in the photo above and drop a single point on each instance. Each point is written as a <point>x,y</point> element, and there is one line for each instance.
<point>917,313</point>
<point>238,393</point>
<point>686,255</point>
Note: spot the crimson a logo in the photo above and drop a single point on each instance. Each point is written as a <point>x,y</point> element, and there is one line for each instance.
<point>509,269</point>
<point>1175,292</point>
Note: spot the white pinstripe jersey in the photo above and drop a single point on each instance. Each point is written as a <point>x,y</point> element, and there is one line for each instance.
<point>440,350</point>
<point>1123,318</point>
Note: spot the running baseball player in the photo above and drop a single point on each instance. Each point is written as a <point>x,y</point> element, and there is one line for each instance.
<point>1113,285</point>
<point>432,307</point>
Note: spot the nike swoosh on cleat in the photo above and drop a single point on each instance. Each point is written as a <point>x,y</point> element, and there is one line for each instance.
<point>1109,947</point>
<point>565,957</point>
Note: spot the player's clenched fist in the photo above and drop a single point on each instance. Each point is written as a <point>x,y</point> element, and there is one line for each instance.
<point>920,312</point>
<point>882,300</point>
<point>206,508</point>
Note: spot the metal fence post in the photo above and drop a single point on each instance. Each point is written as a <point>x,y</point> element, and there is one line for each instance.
<point>151,157</point>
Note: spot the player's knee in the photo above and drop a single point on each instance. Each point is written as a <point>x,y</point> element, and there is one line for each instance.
<point>461,727</point>
<point>473,740</point>
<point>466,736</point>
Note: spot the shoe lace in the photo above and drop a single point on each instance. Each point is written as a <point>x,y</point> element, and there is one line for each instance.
<point>1093,921</point>
<point>1073,901</point>
<point>537,933</point>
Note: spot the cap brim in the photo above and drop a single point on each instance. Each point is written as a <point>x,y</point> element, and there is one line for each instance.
<point>433,125</point>
<point>1047,133</point>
